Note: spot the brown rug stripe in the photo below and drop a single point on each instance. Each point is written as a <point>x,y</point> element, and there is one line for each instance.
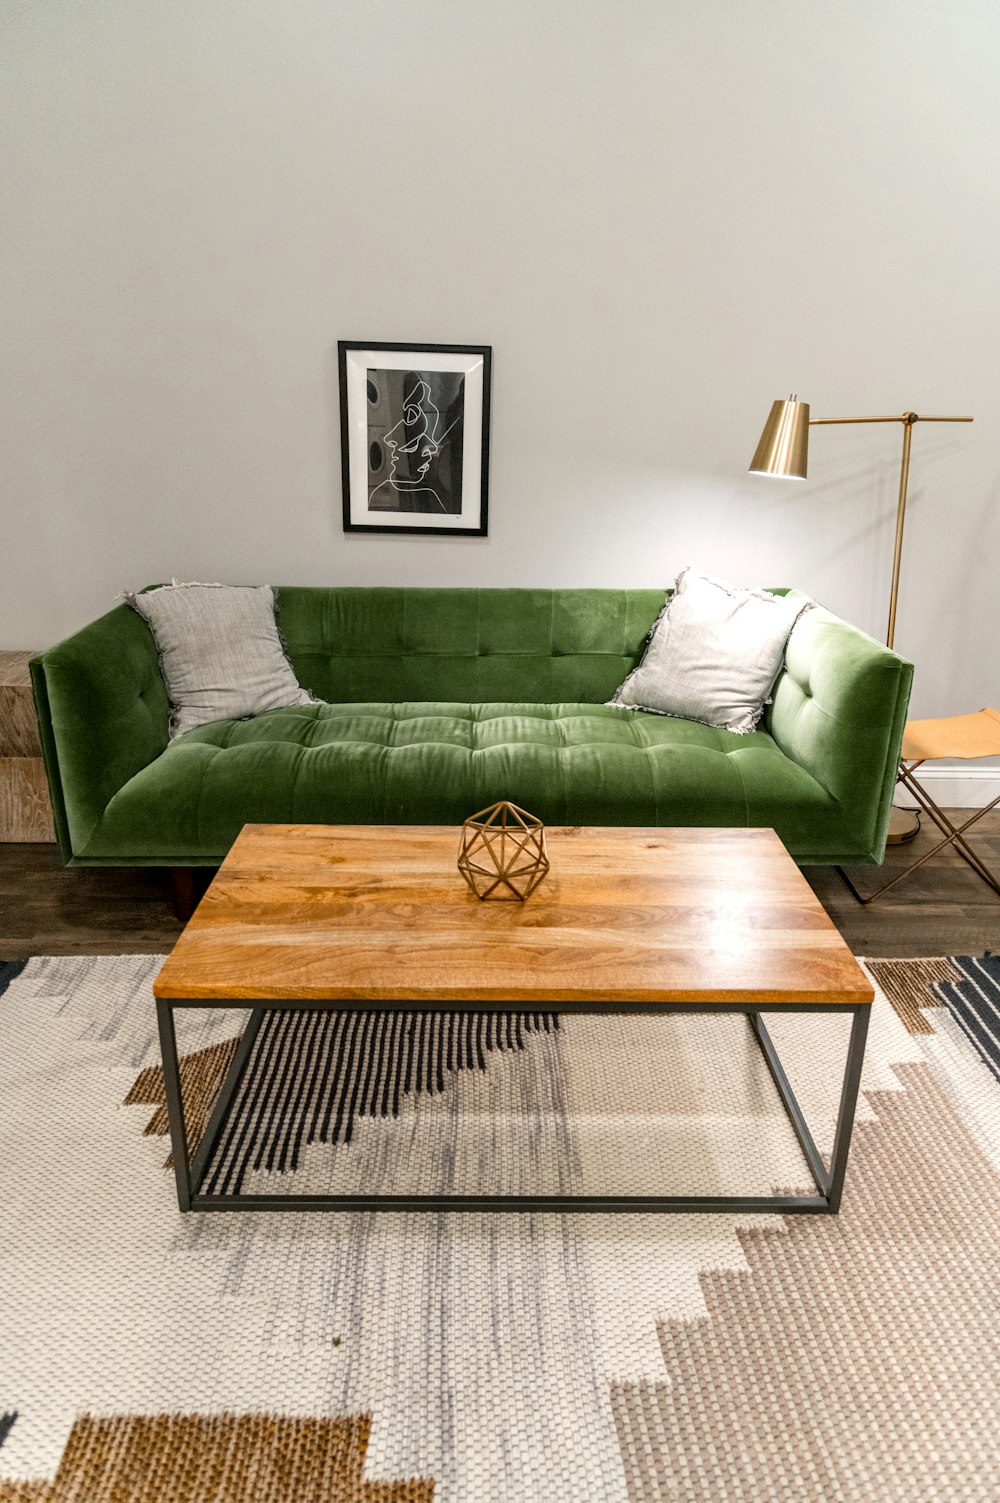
<point>222,1458</point>
<point>907,984</point>
<point>859,1359</point>
<point>201,1075</point>
<point>24,1492</point>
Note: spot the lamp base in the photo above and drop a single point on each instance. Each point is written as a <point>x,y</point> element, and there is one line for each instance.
<point>904,826</point>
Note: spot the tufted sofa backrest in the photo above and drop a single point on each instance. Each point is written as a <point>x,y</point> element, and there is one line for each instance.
<point>534,646</point>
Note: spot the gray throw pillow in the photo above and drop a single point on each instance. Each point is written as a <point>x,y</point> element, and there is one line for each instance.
<point>714,653</point>
<point>220,652</point>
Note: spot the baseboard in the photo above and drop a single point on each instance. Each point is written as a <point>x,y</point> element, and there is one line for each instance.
<point>955,786</point>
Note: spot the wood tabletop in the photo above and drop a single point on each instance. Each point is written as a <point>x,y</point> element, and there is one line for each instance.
<point>365,913</point>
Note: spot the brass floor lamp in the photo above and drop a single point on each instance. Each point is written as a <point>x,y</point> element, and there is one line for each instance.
<point>784,450</point>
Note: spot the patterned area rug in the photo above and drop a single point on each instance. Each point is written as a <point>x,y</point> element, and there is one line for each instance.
<point>363,1358</point>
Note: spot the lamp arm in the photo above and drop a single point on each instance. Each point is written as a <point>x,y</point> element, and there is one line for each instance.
<point>902,417</point>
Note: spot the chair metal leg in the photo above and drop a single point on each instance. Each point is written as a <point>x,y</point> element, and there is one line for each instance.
<point>952,836</point>
<point>952,833</point>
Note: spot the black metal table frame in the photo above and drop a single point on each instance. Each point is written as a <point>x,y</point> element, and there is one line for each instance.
<point>190,1170</point>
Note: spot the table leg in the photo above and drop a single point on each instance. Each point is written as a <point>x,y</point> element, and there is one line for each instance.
<point>788,1101</point>
<point>175,1101</point>
<point>829,1182</point>
<point>848,1103</point>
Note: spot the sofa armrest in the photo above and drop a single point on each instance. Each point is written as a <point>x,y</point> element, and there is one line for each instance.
<point>839,710</point>
<point>103,716</point>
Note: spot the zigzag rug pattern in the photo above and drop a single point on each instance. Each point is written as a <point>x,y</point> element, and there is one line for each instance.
<point>358,1357</point>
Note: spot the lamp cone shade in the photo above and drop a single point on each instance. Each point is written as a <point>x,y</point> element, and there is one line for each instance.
<point>784,443</point>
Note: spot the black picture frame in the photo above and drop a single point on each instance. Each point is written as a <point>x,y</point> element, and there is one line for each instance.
<point>432,479</point>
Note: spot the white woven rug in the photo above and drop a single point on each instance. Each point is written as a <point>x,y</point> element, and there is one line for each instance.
<point>327,1357</point>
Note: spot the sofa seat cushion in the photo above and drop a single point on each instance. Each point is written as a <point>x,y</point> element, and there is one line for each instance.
<point>437,763</point>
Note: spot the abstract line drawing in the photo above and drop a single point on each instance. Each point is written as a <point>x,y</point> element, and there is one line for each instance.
<point>415,437</point>
<point>422,449</point>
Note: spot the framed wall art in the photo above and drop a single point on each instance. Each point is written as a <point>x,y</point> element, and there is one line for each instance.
<point>415,437</point>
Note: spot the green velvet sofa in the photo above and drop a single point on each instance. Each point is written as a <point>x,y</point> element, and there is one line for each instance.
<point>441,701</point>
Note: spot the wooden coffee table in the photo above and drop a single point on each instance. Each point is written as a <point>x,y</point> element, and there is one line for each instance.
<point>628,921</point>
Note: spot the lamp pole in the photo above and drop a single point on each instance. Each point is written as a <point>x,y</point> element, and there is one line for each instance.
<point>909,418</point>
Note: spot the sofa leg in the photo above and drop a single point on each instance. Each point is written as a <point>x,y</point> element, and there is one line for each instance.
<point>182,885</point>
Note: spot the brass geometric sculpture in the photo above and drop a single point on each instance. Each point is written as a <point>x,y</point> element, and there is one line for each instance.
<point>502,854</point>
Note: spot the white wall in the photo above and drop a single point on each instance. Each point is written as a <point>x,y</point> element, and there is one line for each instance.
<point>660,214</point>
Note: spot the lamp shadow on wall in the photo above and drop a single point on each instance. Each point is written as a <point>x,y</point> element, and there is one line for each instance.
<point>874,486</point>
<point>836,499</point>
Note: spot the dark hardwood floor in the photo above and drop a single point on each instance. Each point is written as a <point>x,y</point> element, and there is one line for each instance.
<point>47,910</point>
<point>944,909</point>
